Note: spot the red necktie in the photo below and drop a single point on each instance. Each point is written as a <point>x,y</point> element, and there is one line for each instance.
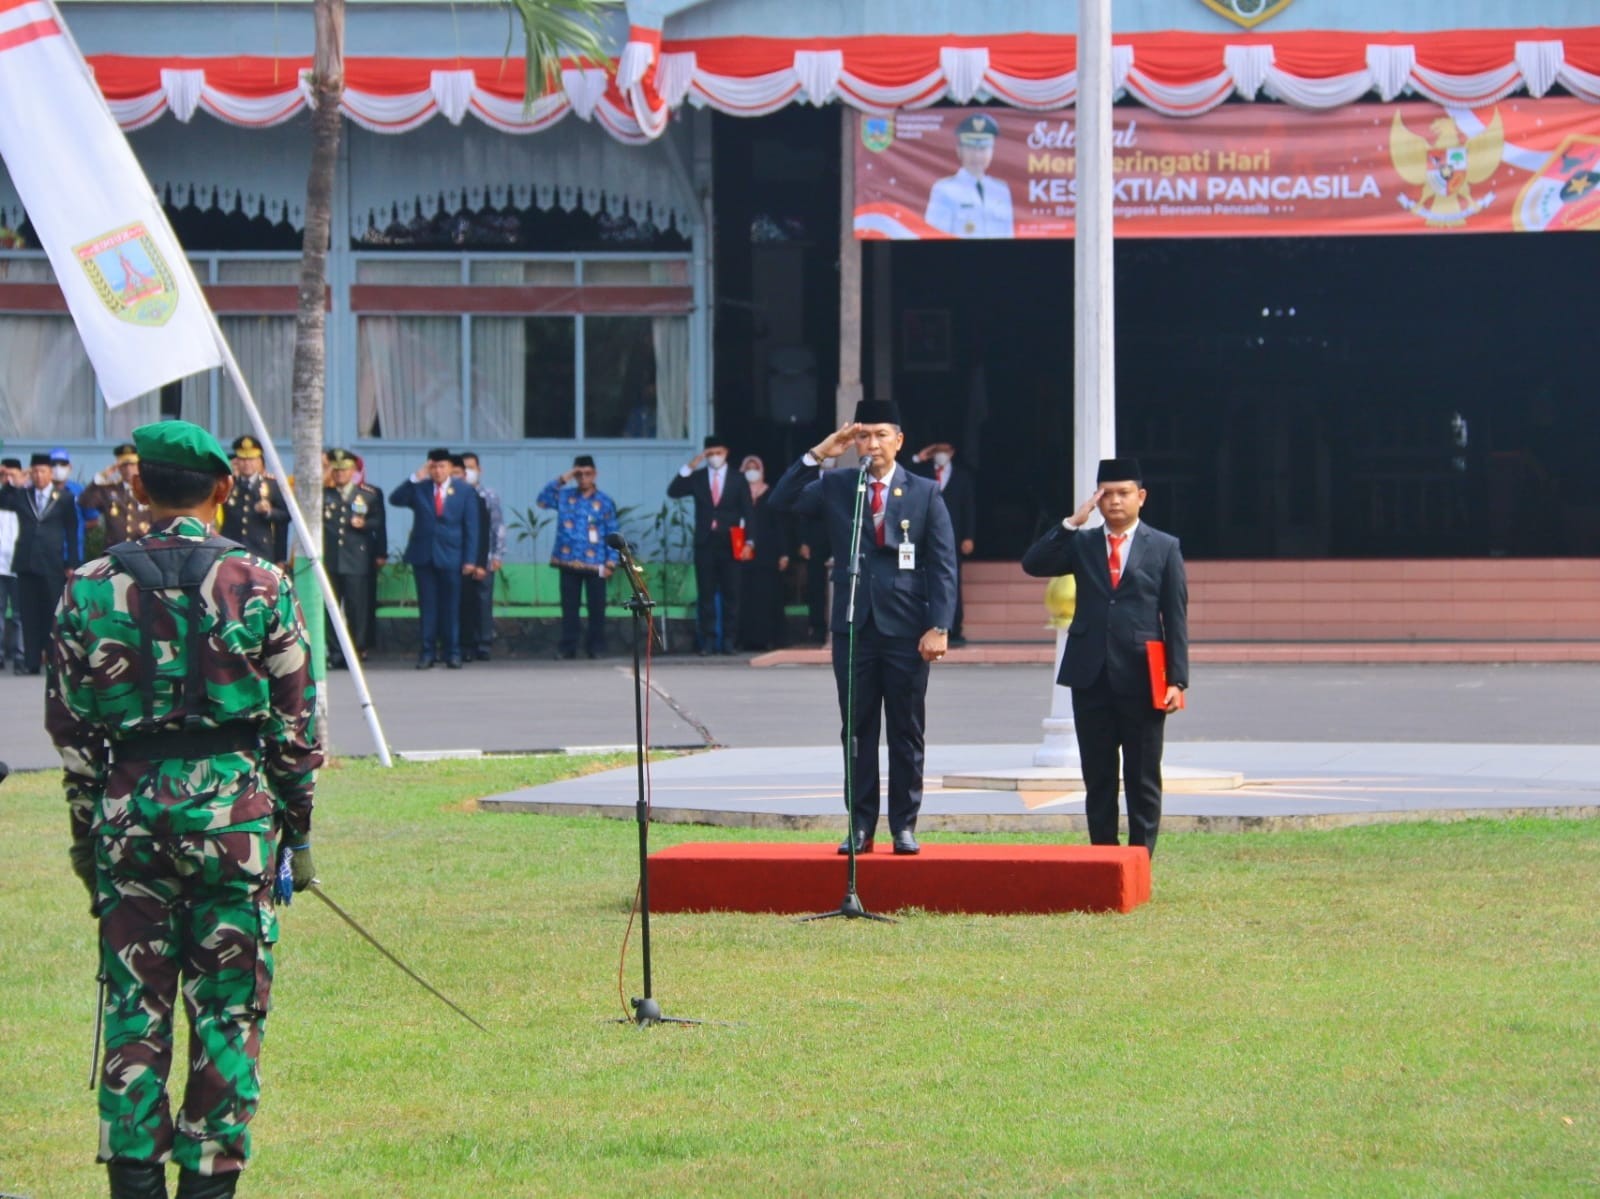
<point>877,512</point>
<point>438,501</point>
<point>716,489</point>
<point>938,476</point>
<point>1115,561</point>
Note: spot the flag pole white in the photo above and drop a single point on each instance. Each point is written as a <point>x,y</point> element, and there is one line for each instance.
<point>308,545</point>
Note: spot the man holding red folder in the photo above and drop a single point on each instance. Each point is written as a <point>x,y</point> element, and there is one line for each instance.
<point>1131,593</point>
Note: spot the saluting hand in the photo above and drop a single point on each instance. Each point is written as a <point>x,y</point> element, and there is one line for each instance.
<point>1087,508</point>
<point>837,443</point>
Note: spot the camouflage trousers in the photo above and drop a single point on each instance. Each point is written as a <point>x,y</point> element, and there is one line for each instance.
<point>193,911</point>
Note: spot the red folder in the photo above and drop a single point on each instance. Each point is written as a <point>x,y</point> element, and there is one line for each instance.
<point>1156,652</point>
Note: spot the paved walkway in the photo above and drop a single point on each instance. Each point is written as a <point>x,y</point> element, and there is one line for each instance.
<point>1314,743</point>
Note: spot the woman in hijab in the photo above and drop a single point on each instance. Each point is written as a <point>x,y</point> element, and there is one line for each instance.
<point>761,617</point>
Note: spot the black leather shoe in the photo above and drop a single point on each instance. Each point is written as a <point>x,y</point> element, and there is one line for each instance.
<point>906,842</point>
<point>453,664</point>
<point>424,663</point>
<point>137,1180</point>
<point>863,840</point>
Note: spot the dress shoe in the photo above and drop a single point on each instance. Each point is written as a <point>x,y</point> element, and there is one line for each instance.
<point>424,663</point>
<point>905,842</point>
<point>565,655</point>
<point>453,664</point>
<point>484,655</point>
<point>863,840</point>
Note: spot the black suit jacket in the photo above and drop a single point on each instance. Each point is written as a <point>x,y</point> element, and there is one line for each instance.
<point>901,603</point>
<point>47,543</point>
<point>1110,627</point>
<point>960,496</point>
<point>733,506</point>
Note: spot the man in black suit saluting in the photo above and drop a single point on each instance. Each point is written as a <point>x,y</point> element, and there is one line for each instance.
<point>904,602</point>
<point>1131,591</point>
<point>722,503</point>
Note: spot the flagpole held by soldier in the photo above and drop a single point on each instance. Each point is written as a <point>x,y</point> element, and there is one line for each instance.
<point>181,700</point>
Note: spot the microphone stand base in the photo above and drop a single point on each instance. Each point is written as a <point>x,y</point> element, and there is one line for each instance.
<point>647,1012</point>
<point>850,909</point>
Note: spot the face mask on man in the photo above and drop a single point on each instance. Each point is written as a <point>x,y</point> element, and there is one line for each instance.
<point>753,476</point>
<point>60,473</point>
<point>941,459</point>
<point>715,461</point>
<point>472,476</point>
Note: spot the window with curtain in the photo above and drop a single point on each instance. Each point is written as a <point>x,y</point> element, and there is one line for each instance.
<point>47,390</point>
<point>408,384</point>
<point>636,376</point>
<point>524,373</point>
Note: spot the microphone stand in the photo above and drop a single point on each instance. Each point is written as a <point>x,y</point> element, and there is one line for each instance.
<point>646,1011</point>
<point>850,907</point>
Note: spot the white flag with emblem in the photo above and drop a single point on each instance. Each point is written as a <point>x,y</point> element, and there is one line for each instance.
<point>137,305</point>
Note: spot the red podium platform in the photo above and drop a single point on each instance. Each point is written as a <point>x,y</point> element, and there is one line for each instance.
<point>797,878</point>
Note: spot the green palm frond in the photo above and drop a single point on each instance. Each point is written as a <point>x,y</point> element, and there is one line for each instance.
<point>553,28</point>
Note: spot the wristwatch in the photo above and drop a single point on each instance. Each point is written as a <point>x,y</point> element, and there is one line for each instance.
<point>941,632</point>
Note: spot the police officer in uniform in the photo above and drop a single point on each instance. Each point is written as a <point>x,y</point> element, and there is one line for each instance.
<point>255,509</point>
<point>972,203</point>
<point>354,537</point>
<point>122,515</point>
<point>179,694</point>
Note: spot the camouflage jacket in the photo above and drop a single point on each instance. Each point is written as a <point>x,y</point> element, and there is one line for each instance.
<point>256,669</point>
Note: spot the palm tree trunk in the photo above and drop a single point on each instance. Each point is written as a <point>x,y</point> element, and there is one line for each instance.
<point>311,326</point>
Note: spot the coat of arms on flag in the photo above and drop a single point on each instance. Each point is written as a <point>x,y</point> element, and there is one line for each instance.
<point>1247,12</point>
<point>131,278</point>
<point>1565,194</point>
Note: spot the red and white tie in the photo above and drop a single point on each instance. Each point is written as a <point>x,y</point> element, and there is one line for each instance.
<point>877,512</point>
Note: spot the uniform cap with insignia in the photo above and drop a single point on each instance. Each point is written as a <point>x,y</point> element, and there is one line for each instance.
<point>179,443</point>
<point>125,453</point>
<point>246,447</point>
<point>977,130</point>
<point>341,459</point>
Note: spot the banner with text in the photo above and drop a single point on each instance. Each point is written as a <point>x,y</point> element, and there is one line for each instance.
<point>1242,170</point>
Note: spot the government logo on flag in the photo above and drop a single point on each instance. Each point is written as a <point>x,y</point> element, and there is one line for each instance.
<point>130,276</point>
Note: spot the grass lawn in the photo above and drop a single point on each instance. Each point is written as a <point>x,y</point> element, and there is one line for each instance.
<point>1406,1010</point>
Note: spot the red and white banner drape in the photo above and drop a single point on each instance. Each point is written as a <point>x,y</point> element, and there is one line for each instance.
<point>1180,74</point>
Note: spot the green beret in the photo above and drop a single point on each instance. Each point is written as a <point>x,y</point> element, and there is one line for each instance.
<point>179,443</point>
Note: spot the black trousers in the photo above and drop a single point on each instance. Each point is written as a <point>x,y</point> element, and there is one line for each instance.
<point>891,689</point>
<point>716,576</point>
<point>1111,725</point>
<point>470,615</point>
<point>579,587</point>
<point>355,599</point>
<point>37,597</point>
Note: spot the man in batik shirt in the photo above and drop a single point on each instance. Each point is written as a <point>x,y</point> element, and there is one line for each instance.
<point>585,517</point>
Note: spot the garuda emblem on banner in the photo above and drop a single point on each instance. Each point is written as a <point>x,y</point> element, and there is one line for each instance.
<point>1247,12</point>
<point>1446,167</point>
<point>130,276</point>
<point>1565,194</point>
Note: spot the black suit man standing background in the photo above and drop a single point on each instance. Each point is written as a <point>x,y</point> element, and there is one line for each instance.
<point>721,503</point>
<point>960,492</point>
<point>1131,591</point>
<point>905,599</point>
<point>46,549</point>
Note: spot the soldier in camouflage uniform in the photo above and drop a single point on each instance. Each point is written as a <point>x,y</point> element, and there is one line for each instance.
<point>181,700</point>
<point>123,516</point>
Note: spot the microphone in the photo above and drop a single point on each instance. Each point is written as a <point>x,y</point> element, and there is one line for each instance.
<point>619,543</point>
